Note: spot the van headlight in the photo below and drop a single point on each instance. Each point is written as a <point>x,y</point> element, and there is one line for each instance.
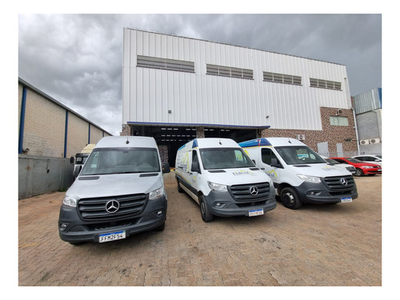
<point>309,178</point>
<point>69,201</point>
<point>158,193</point>
<point>217,187</point>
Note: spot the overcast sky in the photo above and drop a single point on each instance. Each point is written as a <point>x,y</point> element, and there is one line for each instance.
<point>77,59</point>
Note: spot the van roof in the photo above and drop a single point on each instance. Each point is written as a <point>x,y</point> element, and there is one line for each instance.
<point>271,141</point>
<point>210,143</point>
<point>126,141</point>
<point>88,148</point>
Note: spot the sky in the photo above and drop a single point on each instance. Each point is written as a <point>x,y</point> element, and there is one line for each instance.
<point>77,58</point>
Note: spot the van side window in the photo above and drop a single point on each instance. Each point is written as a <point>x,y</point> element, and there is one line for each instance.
<point>267,155</point>
<point>195,162</point>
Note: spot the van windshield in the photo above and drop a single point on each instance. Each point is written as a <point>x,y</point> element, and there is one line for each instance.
<point>294,155</point>
<point>224,158</point>
<point>121,160</point>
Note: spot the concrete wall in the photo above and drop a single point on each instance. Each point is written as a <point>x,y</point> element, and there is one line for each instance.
<point>39,175</point>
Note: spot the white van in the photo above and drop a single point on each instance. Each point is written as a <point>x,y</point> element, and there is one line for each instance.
<point>119,192</point>
<point>299,174</point>
<point>222,179</point>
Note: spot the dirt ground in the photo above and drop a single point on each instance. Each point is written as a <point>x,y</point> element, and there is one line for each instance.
<point>318,245</point>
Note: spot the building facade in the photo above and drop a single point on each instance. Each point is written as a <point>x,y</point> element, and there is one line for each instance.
<point>368,109</point>
<point>49,128</point>
<point>49,134</point>
<point>177,88</point>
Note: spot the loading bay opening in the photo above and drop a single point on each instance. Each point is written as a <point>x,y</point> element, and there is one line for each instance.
<point>170,138</point>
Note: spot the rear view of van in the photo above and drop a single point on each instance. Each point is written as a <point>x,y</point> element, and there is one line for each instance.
<point>119,192</point>
<point>222,179</point>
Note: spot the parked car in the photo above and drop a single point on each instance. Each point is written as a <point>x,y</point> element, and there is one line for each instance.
<point>362,168</point>
<point>335,163</point>
<point>373,159</point>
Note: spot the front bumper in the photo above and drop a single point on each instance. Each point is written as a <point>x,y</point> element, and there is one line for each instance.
<point>319,194</point>
<point>75,230</point>
<point>223,205</point>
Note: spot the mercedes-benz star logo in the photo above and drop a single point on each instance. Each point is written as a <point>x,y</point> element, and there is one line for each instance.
<point>253,190</point>
<point>112,206</point>
<point>343,181</point>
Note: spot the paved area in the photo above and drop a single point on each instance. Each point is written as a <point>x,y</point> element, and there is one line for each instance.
<point>331,245</point>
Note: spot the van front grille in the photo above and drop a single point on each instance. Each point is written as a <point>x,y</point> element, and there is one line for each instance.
<point>104,208</point>
<point>339,183</point>
<point>250,192</point>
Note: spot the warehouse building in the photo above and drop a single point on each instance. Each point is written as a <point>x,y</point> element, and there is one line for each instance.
<point>177,88</point>
<point>49,134</point>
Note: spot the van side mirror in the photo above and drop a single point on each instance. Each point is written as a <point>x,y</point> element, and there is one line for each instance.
<point>166,168</point>
<point>275,163</point>
<point>71,160</point>
<point>77,170</point>
<point>195,167</point>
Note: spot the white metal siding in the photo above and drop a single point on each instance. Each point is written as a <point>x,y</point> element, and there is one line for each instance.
<point>367,101</point>
<point>197,98</point>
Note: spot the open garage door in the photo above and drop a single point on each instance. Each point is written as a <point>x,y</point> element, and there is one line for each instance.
<point>170,138</point>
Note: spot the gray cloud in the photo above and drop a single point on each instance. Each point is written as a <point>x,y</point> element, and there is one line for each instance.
<point>77,59</point>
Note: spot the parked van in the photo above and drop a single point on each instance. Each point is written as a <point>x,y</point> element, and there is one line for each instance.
<point>299,174</point>
<point>119,192</point>
<point>222,179</point>
<point>80,158</point>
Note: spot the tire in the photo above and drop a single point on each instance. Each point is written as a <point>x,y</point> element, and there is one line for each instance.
<point>161,227</point>
<point>76,243</point>
<point>180,190</point>
<point>206,216</point>
<point>359,172</point>
<point>290,199</point>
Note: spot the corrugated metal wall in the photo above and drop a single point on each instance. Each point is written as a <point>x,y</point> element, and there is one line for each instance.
<point>161,96</point>
<point>368,101</point>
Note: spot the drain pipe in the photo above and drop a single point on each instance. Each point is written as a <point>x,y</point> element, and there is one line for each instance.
<point>356,128</point>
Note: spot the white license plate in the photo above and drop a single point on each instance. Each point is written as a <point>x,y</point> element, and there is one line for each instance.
<point>113,236</point>
<point>346,200</point>
<point>256,212</point>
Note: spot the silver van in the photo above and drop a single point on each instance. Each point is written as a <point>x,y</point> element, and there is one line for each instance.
<point>119,192</point>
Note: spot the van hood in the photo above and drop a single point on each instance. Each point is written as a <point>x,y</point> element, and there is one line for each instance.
<point>319,170</point>
<point>237,176</point>
<point>114,185</point>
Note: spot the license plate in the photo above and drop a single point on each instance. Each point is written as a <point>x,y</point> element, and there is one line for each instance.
<point>256,212</point>
<point>346,200</point>
<point>112,236</point>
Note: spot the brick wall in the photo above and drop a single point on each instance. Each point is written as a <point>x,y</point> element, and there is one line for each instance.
<point>95,134</point>
<point>44,129</point>
<point>44,126</point>
<point>329,133</point>
<point>77,134</point>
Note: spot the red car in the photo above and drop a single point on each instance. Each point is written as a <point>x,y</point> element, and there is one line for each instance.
<point>362,168</point>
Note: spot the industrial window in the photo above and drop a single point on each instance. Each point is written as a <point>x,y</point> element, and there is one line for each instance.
<point>282,78</point>
<point>165,64</point>
<point>325,84</point>
<point>229,72</point>
<point>339,121</point>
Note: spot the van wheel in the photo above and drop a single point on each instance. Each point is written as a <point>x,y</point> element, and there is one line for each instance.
<point>180,190</point>
<point>205,212</point>
<point>290,199</point>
